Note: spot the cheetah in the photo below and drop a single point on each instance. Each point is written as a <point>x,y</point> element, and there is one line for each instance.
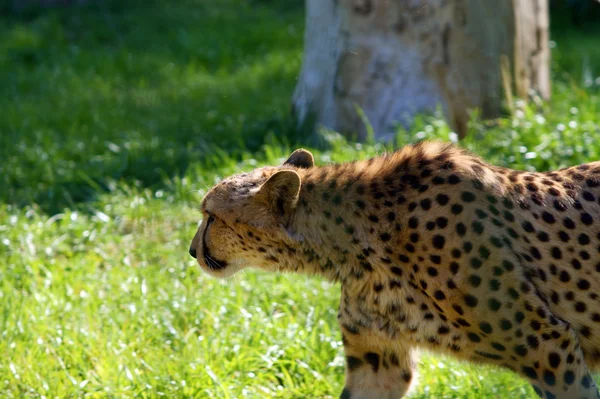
<point>433,248</point>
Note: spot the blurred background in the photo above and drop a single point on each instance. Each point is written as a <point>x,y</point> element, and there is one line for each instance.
<point>117,116</point>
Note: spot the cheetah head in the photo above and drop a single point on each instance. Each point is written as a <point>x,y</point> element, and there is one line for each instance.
<point>244,213</point>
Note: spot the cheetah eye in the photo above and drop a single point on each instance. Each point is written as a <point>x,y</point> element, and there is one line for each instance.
<point>210,220</point>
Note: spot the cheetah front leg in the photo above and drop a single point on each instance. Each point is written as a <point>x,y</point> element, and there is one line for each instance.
<point>374,370</point>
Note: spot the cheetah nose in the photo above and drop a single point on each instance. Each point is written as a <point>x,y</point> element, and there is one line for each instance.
<point>193,252</point>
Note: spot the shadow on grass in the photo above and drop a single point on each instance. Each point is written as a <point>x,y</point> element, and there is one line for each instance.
<point>137,91</point>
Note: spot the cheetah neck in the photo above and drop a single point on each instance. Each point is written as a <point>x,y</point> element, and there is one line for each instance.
<point>331,237</point>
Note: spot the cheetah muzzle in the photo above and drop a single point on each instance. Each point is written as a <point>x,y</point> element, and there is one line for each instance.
<point>433,248</point>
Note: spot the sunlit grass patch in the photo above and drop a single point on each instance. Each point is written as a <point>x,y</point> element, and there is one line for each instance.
<point>114,122</point>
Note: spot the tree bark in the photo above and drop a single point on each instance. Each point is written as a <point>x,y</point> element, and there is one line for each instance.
<point>393,59</point>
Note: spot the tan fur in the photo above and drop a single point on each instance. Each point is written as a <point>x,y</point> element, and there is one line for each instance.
<point>433,248</point>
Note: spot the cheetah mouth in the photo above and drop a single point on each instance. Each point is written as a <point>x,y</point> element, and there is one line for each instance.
<point>212,263</point>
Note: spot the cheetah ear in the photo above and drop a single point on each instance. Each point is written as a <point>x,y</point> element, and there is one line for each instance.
<point>301,158</point>
<point>280,193</point>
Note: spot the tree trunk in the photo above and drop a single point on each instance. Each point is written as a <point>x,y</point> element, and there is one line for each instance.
<point>393,59</point>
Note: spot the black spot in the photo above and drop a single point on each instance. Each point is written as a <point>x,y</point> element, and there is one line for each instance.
<point>473,337</point>
<point>588,196</point>
<point>554,359</point>
<point>438,241</point>
<point>442,222</point>
<point>474,280</point>
<point>494,285</point>
<point>559,206</point>
<point>569,377</point>
<point>485,327</point>
<point>533,341</point>
<point>458,309</point>
<point>453,179</point>
<point>592,182</point>
<point>556,253</point>
<point>467,246</point>
<point>519,317</point>
<point>481,214</point>
<point>461,229</point>
<point>484,252</point>
<point>586,381</point>
<point>508,266</point>
<point>529,373</point>
<point>586,219</point>
<point>454,266</point>
<point>569,223</point>
<point>543,236</point>
<point>505,325</point>
<point>477,227</point>
<point>373,360</point>
<point>476,263</point>
<point>385,237</point>
<point>435,259</point>
<point>353,362</point>
<point>406,376</point>
<point>468,196</point>
<point>535,253</point>
<point>583,284</point>
<point>463,322</point>
<point>521,350</point>
<point>456,209</point>
<point>413,222</point>
<point>443,330</point>
<point>528,227</point>
<point>564,276</point>
<point>426,204</point>
<point>442,199</point>
<point>549,378</point>
<point>488,355</point>
<point>471,300</point>
<point>494,304</point>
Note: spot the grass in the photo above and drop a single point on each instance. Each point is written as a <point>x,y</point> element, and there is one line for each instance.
<point>115,120</point>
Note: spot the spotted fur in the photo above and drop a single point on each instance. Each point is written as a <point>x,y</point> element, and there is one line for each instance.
<point>433,248</point>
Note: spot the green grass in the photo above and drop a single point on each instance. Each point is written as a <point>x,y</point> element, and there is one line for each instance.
<point>114,120</point>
